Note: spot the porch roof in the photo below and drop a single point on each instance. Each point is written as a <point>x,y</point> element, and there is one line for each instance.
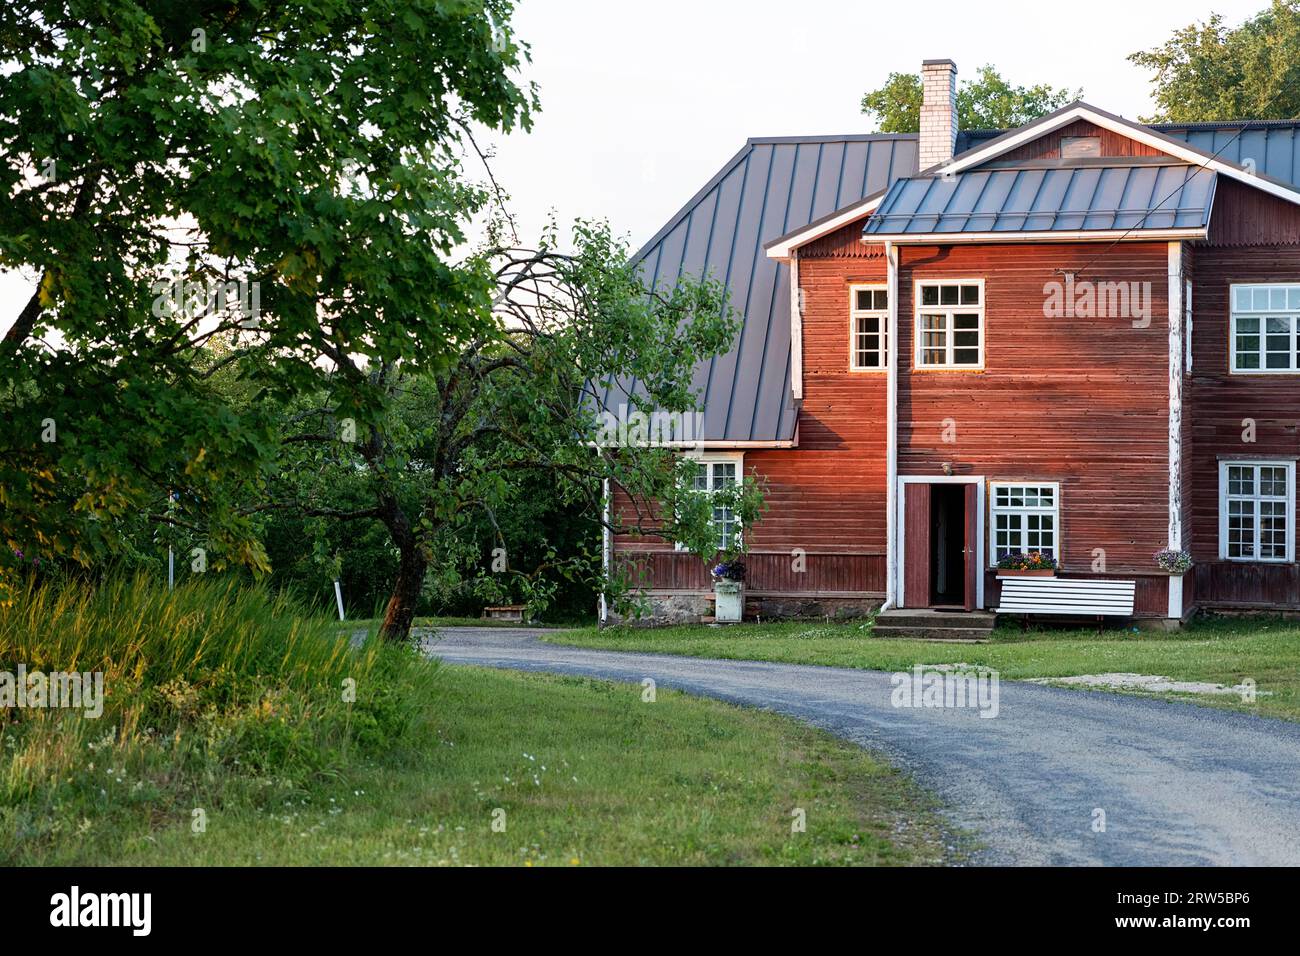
<point>1130,196</point>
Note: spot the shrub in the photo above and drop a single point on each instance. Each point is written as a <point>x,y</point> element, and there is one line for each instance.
<point>214,688</point>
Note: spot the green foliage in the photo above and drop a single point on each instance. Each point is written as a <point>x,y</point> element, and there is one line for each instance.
<point>307,148</point>
<point>212,685</point>
<point>987,102</point>
<point>1210,71</point>
<point>487,472</point>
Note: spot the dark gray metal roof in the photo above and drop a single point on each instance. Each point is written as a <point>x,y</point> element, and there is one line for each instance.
<point>776,185</point>
<point>770,187</point>
<point>1270,144</point>
<point>1136,197</point>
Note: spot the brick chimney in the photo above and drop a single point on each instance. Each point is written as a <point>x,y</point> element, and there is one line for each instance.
<point>938,112</point>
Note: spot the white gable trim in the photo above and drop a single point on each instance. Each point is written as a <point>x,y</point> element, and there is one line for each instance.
<point>1116,125</point>
<point>784,247</point>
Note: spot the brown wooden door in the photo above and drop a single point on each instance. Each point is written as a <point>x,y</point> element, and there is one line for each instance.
<point>971,554</point>
<point>916,545</point>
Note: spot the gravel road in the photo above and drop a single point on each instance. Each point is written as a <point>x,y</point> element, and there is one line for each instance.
<point>1179,784</point>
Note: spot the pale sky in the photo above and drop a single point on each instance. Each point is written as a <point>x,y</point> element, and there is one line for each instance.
<point>643,102</point>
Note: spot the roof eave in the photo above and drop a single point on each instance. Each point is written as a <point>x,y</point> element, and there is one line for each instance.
<point>1081,235</point>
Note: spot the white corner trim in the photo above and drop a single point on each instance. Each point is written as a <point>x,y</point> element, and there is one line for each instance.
<point>1146,137</point>
<point>1175,396</point>
<point>893,590</point>
<point>1174,610</point>
<point>606,546</point>
<point>796,330</point>
<point>784,248</point>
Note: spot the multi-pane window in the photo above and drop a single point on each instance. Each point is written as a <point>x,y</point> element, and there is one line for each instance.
<point>950,324</point>
<point>868,315</point>
<point>1264,327</point>
<point>1026,517</point>
<point>715,476</point>
<point>1256,502</point>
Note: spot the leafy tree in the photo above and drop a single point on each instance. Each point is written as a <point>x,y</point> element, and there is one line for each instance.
<point>987,102</point>
<point>515,411</point>
<point>305,150</point>
<point>1209,71</point>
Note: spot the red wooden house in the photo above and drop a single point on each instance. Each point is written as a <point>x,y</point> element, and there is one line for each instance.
<point>1079,336</point>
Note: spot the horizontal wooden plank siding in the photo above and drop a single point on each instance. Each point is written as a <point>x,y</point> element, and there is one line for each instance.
<point>776,573</point>
<point>1080,401</point>
<point>1243,216</point>
<point>1224,407</point>
<point>1239,584</point>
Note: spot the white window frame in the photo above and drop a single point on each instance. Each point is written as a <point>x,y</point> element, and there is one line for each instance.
<point>1289,465</point>
<point>882,318</point>
<point>1057,535</point>
<point>717,458</point>
<point>1290,312</point>
<point>949,311</point>
<point>1187,326</point>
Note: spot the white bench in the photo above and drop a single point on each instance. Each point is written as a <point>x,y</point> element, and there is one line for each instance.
<point>1076,597</point>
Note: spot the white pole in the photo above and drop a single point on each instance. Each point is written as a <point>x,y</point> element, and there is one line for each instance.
<point>171,569</point>
<point>338,596</point>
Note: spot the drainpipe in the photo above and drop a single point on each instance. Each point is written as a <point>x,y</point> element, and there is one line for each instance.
<point>606,550</point>
<point>891,431</point>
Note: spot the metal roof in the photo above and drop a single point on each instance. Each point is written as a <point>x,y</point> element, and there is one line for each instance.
<point>776,185</point>
<point>1070,199</point>
<point>1269,144</point>
<point>771,186</point>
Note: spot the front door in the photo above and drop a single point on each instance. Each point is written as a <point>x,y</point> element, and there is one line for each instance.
<point>941,545</point>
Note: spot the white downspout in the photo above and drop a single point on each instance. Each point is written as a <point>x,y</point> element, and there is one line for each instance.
<point>606,549</point>
<point>891,431</point>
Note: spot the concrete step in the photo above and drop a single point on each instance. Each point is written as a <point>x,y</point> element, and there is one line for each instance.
<point>925,618</point>
<point>964,635</point>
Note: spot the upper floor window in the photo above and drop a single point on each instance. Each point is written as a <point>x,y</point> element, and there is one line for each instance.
<point>950,324</point>
<point>868,324</point>
<point>1263,337</point>
<point>1026,517</point>
<point>1256,504</point>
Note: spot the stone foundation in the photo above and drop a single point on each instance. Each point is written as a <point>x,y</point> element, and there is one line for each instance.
<point>666,608</point>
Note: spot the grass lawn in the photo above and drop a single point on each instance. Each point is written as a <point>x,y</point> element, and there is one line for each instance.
<point>585,772</point>
<point>1222,651</point>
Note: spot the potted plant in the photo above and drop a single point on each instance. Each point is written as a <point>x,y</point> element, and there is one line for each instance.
<point>1027,564</point>
<point>729,591</point>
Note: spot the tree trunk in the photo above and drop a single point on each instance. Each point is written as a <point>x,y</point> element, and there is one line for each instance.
<point>400,613</point>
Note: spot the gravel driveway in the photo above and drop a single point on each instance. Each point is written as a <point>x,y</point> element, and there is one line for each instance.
<point>1179,784</point>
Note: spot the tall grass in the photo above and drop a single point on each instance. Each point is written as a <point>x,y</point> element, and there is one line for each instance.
<point>214,692</point>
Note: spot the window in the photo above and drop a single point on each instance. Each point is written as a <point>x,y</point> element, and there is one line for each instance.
<point>1256,502</point>
<point>1080,147</point>
<point>713,474</point>
<point>1264,328</point>
<point>868,322</point>
<point>1187,326</point>
<point>1025,518</point>
<point>950,324</point>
